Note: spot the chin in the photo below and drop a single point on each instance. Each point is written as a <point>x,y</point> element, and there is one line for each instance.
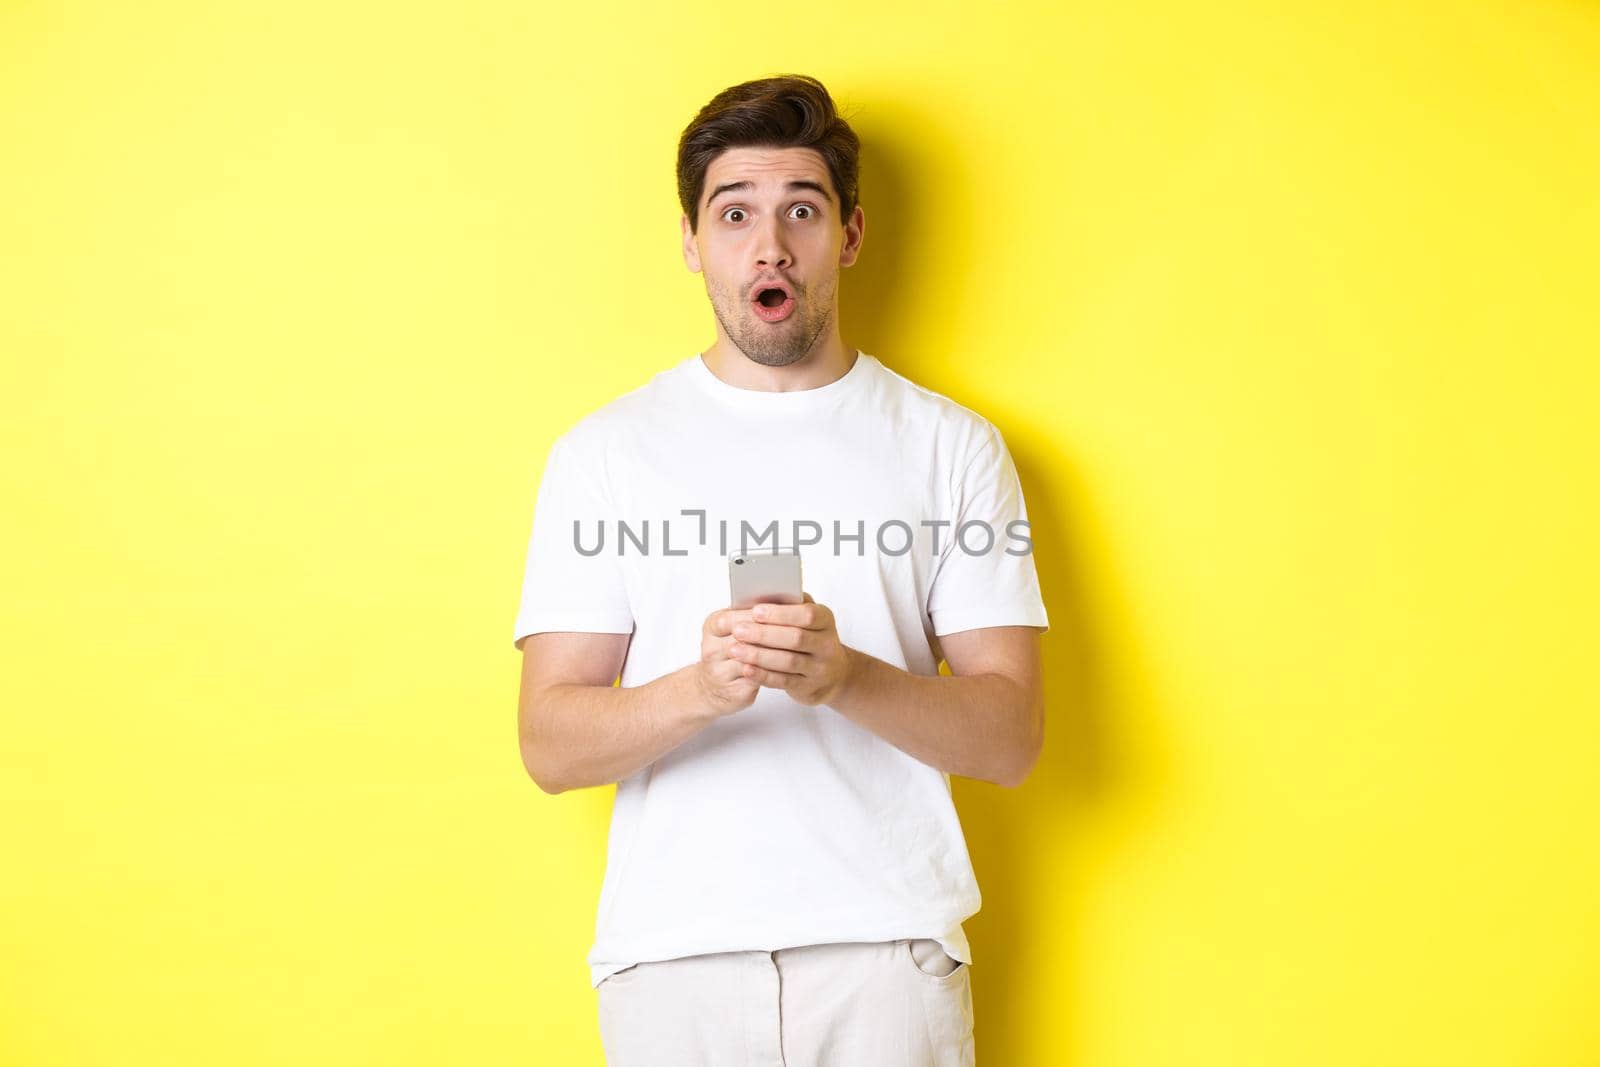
<point>769,359</point>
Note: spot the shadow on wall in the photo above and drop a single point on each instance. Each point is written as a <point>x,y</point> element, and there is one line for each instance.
<point>1022,842</point>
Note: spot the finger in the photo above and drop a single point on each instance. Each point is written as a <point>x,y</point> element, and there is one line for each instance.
<point>807,616</point>
<point>722,622</point>
<point>727,670</point>
<point>772,658</point>
<point>774,636</point>
<point>770,679</point>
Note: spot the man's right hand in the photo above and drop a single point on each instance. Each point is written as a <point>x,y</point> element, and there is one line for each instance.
<point>721,680</point>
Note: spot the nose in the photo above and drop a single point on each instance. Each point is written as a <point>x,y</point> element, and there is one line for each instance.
<point>772,253</point>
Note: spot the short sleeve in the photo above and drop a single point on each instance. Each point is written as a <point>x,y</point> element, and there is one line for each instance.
<point>566,583</point>
<point>985,575</point>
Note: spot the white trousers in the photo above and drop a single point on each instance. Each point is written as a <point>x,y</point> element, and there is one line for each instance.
<point>861,1004</point>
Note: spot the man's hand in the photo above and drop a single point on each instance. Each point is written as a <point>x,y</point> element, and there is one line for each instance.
<point>793,647</point>
<point>723,682</point>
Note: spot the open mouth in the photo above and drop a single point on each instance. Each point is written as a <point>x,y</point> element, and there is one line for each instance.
<point>772,304</point>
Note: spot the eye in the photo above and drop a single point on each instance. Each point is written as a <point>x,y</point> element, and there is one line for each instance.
<point>730,211</point>
<point>807,208</point>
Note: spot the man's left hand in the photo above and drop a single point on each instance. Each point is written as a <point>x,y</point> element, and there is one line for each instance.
<point>795,647</point>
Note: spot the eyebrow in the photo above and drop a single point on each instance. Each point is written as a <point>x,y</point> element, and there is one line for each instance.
<point>801,183</point>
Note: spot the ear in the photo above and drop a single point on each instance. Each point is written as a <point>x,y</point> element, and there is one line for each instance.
<point>854,230</point>
<point>691,251</point>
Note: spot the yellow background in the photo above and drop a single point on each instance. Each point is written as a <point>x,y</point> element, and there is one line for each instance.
<point>1286,311</point>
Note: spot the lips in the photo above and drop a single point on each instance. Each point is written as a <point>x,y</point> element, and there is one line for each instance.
<point>780,310</point>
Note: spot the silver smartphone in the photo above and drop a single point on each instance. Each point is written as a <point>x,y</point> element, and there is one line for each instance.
<point>764,577</point>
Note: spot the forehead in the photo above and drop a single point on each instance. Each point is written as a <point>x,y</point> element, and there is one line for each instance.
<point>766,168</point>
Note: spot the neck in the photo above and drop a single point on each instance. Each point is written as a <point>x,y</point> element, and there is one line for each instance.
<point>828,361</point>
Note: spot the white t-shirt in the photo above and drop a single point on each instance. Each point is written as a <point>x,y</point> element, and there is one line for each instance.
<point>781,824</point>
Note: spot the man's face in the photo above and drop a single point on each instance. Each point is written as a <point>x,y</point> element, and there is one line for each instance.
<point>778,226</point>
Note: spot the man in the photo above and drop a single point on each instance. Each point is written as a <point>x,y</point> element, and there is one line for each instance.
<point>786,875</point>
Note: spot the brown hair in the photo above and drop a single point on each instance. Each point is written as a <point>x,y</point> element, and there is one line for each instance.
<point>784,111</point>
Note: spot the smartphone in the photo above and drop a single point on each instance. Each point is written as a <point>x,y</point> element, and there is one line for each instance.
<point>764,578</point>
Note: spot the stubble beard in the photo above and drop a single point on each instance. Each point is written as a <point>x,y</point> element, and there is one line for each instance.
<point>771,344</point>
